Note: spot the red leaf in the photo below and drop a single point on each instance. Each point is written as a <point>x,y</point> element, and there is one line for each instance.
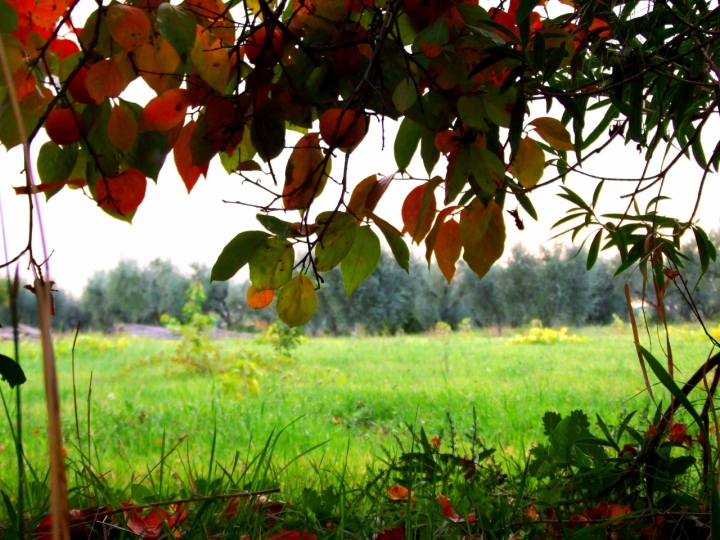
<point>165,111</point>
<point>183,158</point>
<point>122,193</point>
<point>62,48</point>
<point>150,525</point>
<point>418,220</point>
<point>431,51</point>
<point>451,514</point>
<point>128,25</point>
<point>679,435</point>
<point>42,188</point>
<point>292,535</point>
<point>398,533</point>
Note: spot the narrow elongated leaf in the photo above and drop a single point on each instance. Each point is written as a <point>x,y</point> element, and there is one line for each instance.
<point>399,249</point>
<point>448,248</point>
<point>236,254</point>
<point>594,250</point>
<point>362,259</point>
<point>11,372</point>
<point>297,301</point>
<point>406,143</point>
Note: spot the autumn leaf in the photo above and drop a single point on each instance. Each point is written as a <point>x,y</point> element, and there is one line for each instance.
<point>336,241</point>
<point>448,248</point>
<point>157,63</point>
<point>49,186</point>
<point>210,59</point>
<point>297,301</point>
<point>432,237</point>
<point>305,174</point>
<point>121,193</point>
<point>399,493</point>
<point>529,164</point>
<point>183,158</point>
<point>128,25</point>
<point>554,133</point>
<point>430,50</point>
<point>149,526</point>
<point>165,111</point>
<point>122,129</point>
<point>450,513</point>
<point>418,218</point>
<point>481,253</point>
<point>259,299</point>
<point>679,435</point>
<point>109,78</point>
<point>359,195</point>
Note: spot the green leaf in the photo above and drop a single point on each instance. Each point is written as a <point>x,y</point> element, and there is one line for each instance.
<point>32,106</point>
<point>486,167</point>
<point>278,227</point>
<point>236,254</point>
<point>405,95</point>
<point>471,111</point>
<point>399,249</point>
<point>267,131</point>
<point>271,263</point>
<point>201,150</point>
<point>177,26</point>
<point>94,122</point>
<point>428,151</point>
<point>406,143</point>
<point>362,259</point>
<point>336,243</point>
<point>594,250</point>
<point>458,172</point>
<point>702,242</point>
<point>297,301</point>
<point>527,205</point>
<point>8,18</point>
<point>11,371</point>
<point>56,163</point>
<point>149,152</point>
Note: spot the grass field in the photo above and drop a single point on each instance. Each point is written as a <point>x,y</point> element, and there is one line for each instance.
<point>355,394</point>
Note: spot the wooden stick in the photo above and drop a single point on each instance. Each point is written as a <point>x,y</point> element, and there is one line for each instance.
<point>59,508</point>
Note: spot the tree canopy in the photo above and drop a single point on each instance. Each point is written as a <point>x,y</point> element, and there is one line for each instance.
<point>231,79</point>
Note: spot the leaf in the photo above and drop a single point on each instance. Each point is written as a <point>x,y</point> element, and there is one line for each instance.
<point>109,78</point>
<point>472,112</point>
<point>122,129</point>
<point>278,227</point>
<point>149,153</point>
<point>267,132</point>
<point>594,250</point>
<point>448,248</point>
<point>362,259</point>
<point>11,372</point>
<point>121,194</point>
<point>359,195</point>
<point>32,106</point>
<point>271,264</point>
<point>128,25</point>
<point>305,174</point>
<point>458,172</point>
<point>165,111</point>
<point>474,221</point>
<point>486,167</point>
<point>55,164</point>
<point>211,60</point>
<point>554,133</point>
<point>50,187</point>
<point>480,254</point>
<point>236,254</point>
<point>8,18</point>
<point>432,237</point>
<point>405,95</point>
<point>399,248</point>
<point>406,143</point>
<point>529,163</point>
<point>177,26</point>
<point>297,301</point>
<point>259,299</point>
<point>378,191</point>
<point>157,64</point>
<point>337,241</point>
<point>182,154</point>
<point>418,219</point>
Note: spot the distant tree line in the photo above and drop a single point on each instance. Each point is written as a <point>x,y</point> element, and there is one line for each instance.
<point>552,286</point>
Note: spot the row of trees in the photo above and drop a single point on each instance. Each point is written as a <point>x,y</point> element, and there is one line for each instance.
<point>552,286</point>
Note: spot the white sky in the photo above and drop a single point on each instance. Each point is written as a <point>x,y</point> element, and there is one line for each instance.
<point>194,228</point>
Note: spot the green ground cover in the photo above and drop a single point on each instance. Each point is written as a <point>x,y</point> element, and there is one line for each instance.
<point>354,394</point>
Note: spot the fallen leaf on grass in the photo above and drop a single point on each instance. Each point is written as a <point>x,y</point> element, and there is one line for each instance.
<point>399,493</point>
<point>398,533</point>
<point>149,526</point>
<point>450,513</point>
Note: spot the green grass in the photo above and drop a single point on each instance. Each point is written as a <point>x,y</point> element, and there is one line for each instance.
<point>355,394</point>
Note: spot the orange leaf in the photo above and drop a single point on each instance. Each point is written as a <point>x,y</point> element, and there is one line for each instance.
<point>108,78</point>
<point>399,493</point>
<point>447,141</point>
<point>157,65</point>
<point>259,299</point>
<point>24,82</point>
<point>679,435</point>
<point>211,59</point>
<point>183,158</point>
<point>122,129</point>
<point>431,51</point>
<point>128,25</point>
<point>432,237</point>
<point>448,247</point>
<point>360,194</point>
<point>418,220</point>
<point>451,514</point>
<point>482,233</point>
<point>378,191</point>
<point>305,174</point>
<point>149,526</point>
<point>165,111</point>
<point>122,193</point>
<point>42,188</point>
<point>435,441</point>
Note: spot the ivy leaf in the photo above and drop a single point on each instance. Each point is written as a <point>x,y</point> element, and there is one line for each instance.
<point>11,371</point>
<point>362,259</point>
<point>297,301</point>
<point>236,254</point>
<point>177,26</point>
<point>271,264</point>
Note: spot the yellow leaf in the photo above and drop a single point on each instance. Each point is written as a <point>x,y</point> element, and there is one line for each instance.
<point>529,163</point>
<point>211,59</point>
<point>305,173</point>
<point>297,301</point>
<point>157,65</point>
<point>554,133</point>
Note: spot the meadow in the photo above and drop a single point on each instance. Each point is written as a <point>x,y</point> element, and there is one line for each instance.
<point>351,397</point>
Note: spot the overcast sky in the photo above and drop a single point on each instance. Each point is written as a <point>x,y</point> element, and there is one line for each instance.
<point>171,224</point>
